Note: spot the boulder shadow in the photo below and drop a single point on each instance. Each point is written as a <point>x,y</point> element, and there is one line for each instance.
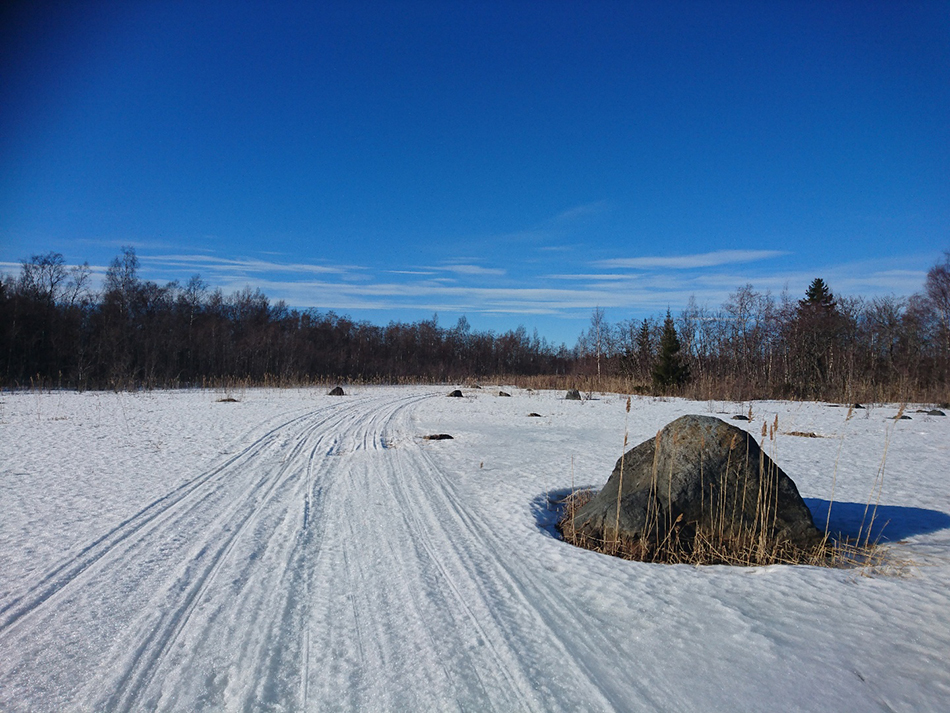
<point>891,522</point>
<point>547,508</point>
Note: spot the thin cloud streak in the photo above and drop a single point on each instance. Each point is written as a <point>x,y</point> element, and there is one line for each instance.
<point>594,277</point>
<point>249,264</point>
<point>553,227</point>
<point>474,270</point>
<point>689,262</point>
<point>581,211</point>
<point>467,288</point>
<point>419,296</point>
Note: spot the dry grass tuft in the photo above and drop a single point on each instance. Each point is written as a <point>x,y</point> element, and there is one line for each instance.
<point>571,504</point>
<point>803,434</point>
<point>684,545</point>
<point>714,541</point>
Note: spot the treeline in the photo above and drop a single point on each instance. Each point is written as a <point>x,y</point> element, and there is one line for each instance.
<point>54,331</point>
<point>757,345</point>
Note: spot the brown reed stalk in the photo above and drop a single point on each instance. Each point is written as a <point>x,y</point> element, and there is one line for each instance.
<point>710,543</point>
<point>623,454</point>
<point>879,480</point>
<point>573,495</point>
<point>652,516</point>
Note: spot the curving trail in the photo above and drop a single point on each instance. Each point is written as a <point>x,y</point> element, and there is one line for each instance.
<point>329,565</point>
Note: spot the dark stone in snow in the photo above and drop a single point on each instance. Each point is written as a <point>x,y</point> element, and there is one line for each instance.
<point>572,395</point>
<point>710,474</point>
<point>456,394</point>
<point>338,391</point>
<point>534,415</point>
<point>740,417</point>
<point>936,412</point>
<point>439,437</point>
<point>504,393</point>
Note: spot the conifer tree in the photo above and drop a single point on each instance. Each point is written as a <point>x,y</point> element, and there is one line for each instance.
<point>644,345</point>
<point>815,346</point>
<point>670,369</point>
<point>818,298</point>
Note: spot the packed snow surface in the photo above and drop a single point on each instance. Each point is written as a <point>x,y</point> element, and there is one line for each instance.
<point>293,551</point>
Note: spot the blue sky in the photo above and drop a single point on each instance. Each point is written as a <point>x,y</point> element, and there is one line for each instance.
<point>518,163</point>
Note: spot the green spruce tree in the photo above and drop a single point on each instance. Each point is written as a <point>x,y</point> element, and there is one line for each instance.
<point>815,344</point>
<point>818,298</point>
<point>670,370</point>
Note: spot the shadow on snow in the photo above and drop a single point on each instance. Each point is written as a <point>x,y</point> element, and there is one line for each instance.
<point>547,509</point>
<point>891,522</point>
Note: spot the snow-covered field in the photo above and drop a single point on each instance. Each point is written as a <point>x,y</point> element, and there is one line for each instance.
<point>301,552</point>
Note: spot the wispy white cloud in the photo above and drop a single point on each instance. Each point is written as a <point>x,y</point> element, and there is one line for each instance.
<point>467,285</point>
<point>251,265</point>
<point>428,295</point>
<point>138,244</point>
<point>592,277</point>
<point>554,227</point>
<point>582,211</point>
<point>562,300</point>
<point>689,262</point>
<point>14,268</point>
<point>474,270</point>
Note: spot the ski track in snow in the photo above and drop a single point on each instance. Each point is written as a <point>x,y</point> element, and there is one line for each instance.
<point>265,557</point>
<point>338,562</point>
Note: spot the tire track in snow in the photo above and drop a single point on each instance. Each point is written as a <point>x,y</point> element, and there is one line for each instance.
<point>319,440</point>
<point>529,610</point>
<point>426,615</point>
<point>214,509</point>
<point>491,624</point>
<point>502,607</point>
<point>155,645</point>
<point>538,608</point>
<point>473,609</point>
<point>328,565</point>
<point>276,686</point>
<point>58,579</point>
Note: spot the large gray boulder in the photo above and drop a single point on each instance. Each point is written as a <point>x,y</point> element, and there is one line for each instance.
<point>699,475</point>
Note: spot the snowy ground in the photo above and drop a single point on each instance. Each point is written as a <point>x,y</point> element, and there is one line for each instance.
<point>295,551</point>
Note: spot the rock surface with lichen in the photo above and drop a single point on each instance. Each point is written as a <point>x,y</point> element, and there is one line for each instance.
<point>699,474</point>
